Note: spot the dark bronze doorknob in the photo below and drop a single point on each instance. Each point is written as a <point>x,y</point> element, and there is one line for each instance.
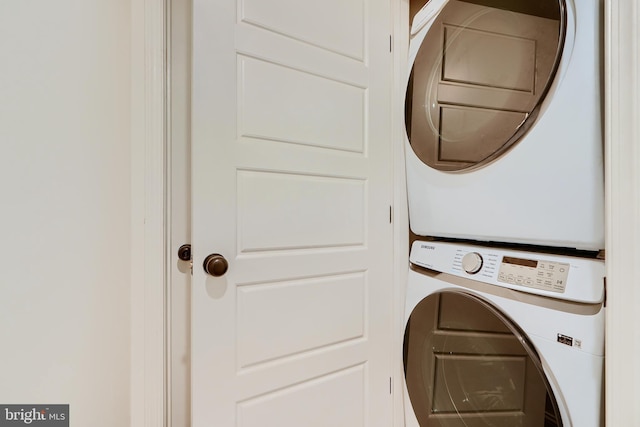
<point>184,252</point>
<point>215,265</point>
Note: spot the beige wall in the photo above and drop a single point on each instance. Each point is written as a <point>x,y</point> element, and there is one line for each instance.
<point>65,206</point>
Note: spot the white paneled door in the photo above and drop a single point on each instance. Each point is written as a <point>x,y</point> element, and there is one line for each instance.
<point>292,185</point>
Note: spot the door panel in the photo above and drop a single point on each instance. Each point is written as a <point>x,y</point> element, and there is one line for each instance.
<point>279,211</point>
<point>335,25</point>
<point>265,311</point>
<point>291,177</point>
<point>284,104</point>
<point>291,406</point>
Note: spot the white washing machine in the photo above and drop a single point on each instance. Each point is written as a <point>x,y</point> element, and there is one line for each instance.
<point>504,122</point>
<point>503,338</point>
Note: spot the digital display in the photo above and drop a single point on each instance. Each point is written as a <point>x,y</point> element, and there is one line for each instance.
<point>520,261</point>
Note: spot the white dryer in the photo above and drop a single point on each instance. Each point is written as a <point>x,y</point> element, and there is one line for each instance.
<point>502,338</point>
<point>504,122</point>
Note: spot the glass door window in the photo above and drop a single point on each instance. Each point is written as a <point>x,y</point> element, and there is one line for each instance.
<point>479,78</point>
<point>466,365</point>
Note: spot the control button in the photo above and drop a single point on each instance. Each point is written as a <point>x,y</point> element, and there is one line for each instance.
<point>472,262</point>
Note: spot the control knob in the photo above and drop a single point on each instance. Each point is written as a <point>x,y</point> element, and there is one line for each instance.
<point>472,262</point>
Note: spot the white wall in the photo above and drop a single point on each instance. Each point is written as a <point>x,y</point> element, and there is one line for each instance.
<point>65,206</point>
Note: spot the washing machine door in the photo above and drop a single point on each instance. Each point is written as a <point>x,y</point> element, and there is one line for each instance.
<point>480,71</point>
<point>467,365</point>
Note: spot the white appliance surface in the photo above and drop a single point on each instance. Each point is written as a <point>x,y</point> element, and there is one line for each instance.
<point>568,336</point>
<point>562,277</point>
<point>548,188</point>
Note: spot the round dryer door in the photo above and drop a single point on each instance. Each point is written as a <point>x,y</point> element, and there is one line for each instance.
<point>467,365</point>
<point>479,76</point>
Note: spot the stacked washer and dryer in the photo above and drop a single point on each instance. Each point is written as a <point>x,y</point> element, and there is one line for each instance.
<point>504,321</point>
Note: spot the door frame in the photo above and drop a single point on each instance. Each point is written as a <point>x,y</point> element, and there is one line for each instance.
<point>622,204</point>
<point>150,221</point>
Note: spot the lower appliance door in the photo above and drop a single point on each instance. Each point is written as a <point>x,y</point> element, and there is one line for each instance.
<point>467,365</point>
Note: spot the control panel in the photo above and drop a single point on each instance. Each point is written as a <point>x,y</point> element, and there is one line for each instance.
<point>564,277</point>
<point>547,275</point>
<point>472,262</point>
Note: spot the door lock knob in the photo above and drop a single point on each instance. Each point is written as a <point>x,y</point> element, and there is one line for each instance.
<point>184,252</point>
<point>215,265</point>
